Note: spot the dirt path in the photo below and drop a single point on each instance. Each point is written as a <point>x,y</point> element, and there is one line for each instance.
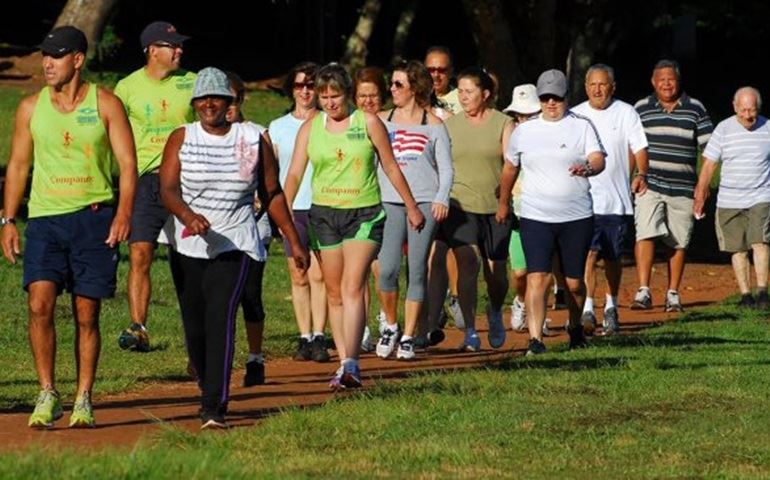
<point>126,418</point>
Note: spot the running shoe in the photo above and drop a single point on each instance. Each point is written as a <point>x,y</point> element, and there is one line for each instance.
<point>536,347</point>
<point>611,322</point>
<point>546,329</point>
<point>47,409</point>
<point>423,341</point>
<point>496,333</point>
<point>518,316</point>
<point>351,377</point>
<point>455,312</point>
<point>303,350</point>
<point>335,383</point>
<point>673,303</point>
<point>82,412</point>
<point>255,373</point>
<point>318,352</point>
<point>435,337</point>
<point>471,342</point>
<point>577,338</point>
<point>747,301</point>
<point>588,321</point>
<point>405,350</point>
<point>387,343</point>
<point>366,340</point>
<point>642,300</point>
<point>135,338</point>
<point>763,300</point>
<point>213,421</point>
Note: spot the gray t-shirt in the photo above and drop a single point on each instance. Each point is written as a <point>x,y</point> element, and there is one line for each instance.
<point>425,156</point>
<point>745,155</point>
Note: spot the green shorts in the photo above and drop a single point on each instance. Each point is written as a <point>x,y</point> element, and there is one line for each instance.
<point>739,228</point>
<point>516,252</point>
<point>329,227</point>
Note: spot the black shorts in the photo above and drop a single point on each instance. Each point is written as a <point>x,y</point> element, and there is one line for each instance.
<point>69,250</point>
<point>329,227</point>
<point>463,228</point>
<point>149,213</point>
<point>570,240</point>
<point>610,232</point>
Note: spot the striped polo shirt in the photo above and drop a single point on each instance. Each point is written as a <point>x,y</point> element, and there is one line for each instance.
<point>674,138</point>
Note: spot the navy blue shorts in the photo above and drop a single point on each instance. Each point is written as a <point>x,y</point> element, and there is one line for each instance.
<point>610,233</point>
<point>301,222</point>
<point>569,240</point>
<point>149,213</point>
<point>69,250</point>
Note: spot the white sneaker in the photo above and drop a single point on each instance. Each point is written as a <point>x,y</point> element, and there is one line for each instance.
<point>472,342</point>
<point>366,340</point>
<point>387,343</point>
<point>496,334</point>
<point>382,321</point>
<point>455,313</point>
<point>518,316</point>
<point>546,331</point>
<point>405,350</point>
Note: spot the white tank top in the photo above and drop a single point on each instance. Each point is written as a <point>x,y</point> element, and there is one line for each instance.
<point>218,180</point>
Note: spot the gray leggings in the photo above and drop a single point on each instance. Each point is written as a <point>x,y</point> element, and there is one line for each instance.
<point>397,231</point>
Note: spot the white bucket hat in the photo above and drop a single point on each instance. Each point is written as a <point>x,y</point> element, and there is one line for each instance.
<point>524,100</point>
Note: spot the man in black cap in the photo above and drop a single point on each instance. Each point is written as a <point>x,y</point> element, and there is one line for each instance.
<point>157,100</point>
<point>72,128</point>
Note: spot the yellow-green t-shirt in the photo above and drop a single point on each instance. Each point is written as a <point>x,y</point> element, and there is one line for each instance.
<point>344,168</point>
<point>155,109</point>
<point>72,157</point>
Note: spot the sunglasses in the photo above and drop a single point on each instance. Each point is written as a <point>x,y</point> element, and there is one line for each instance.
<point>397,84</point>
<point>301,85</point>
<point>549,97</point>
<point>439,70</point>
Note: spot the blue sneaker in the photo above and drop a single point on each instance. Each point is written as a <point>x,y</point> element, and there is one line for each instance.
<point>351,377</point>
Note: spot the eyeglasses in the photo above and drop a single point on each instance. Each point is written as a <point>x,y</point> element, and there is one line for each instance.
<point>167,45</point>
<point>547,98</point>
<point>439,70</point>
<point>397,84</point>
<point>301,85</point>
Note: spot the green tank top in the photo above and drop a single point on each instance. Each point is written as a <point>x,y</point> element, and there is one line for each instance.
<point>72,157</point>
<point>155,108</point>
<point>344,168</point>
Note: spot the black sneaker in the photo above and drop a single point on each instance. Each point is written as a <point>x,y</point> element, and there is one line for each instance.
<point>536,347</point>
<point>255,374</point>
<point>303,351</point>
<point>611,323</point>
<point>422,342</point>
<point>213,421</point>
<point>134,338</point>
<point>747,301</point>
<point>577,338</point>
<point>318,350</point>
<point>588,321</point>
<point>763,300</point>
<point>435,337</point>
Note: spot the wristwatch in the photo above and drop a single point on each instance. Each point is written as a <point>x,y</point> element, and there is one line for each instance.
<point>4,220</point>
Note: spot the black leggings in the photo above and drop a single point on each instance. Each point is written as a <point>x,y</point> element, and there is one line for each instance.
<point>209,291</point>
<point>251,301</point>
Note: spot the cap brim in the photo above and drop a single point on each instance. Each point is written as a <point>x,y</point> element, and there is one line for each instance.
<point>54,51</point>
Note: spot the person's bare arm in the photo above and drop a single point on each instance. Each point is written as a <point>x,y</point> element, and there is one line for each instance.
<point>507,178</point>
<point>298,163</point>
<point>16,175</point>
<point>378,135</point>
<point>703,189</point>
<point>171,189</point>
<point>639,183</point>
<point>122,141</point>
<point>271,195</point>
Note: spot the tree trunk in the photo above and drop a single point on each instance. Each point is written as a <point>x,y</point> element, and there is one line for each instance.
<point>494,42</point>
<point>403,28</point>
<point>356,51</point>
<point>579,59</point>
<point>90,16</point>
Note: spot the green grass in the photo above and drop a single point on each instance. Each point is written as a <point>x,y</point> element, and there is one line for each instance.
<point>686,400</point>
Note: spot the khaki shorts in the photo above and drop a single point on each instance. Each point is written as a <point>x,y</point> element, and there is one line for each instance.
<point>739,228</point>
<point>661,216</point>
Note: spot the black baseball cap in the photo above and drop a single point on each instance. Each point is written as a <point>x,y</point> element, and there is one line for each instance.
<point>63,40</point>
<point>161,32</point>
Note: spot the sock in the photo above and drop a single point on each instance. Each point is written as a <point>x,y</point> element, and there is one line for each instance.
<point>589,305</point>
<point>670,292</point>
<point>307,336</point>
<point>318,334</point>
<point>644,287</point>
<point>256,357</point>
<point>393,328</point>
<point>610,301</point>
<point>406,337</point>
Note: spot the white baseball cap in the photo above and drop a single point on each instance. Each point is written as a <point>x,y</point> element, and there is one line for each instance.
<point>524,100</point>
